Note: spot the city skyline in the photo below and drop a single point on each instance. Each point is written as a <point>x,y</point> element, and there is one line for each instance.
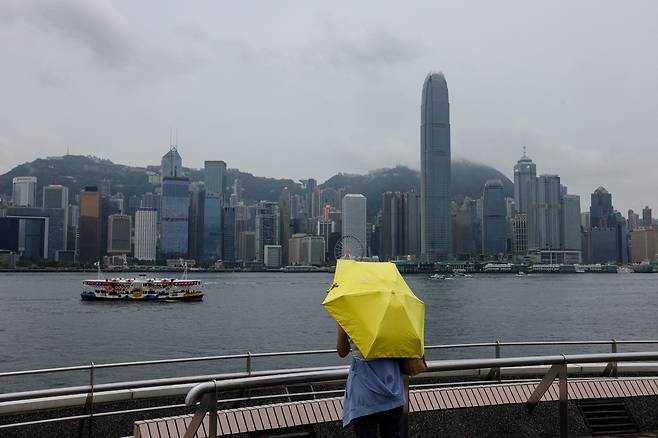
<point>348,78</point>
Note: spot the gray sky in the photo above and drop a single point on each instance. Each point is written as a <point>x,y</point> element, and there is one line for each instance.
<point>298,89</point>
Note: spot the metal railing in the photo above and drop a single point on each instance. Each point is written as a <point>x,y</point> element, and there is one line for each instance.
<point>90,394</point>
<point>205,395</point>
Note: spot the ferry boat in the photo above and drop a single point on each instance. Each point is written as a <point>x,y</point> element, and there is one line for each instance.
<point>141,289</point>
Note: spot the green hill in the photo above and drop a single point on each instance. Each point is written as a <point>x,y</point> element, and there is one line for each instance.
<point>75,172</point>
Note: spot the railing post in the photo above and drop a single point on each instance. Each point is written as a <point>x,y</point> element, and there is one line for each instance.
<point>213,412</point>
<point>249,363</point>
<point>563,392</point>
<point>91,400</point>
<point>494,373</point>
<point>614,364</point>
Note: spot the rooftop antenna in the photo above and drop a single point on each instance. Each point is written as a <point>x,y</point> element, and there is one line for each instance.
<point>524,150</point>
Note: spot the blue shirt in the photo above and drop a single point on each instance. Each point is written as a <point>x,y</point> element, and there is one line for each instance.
<point>372,386</point>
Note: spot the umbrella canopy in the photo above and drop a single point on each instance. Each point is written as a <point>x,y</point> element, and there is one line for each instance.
<point>373,304</point>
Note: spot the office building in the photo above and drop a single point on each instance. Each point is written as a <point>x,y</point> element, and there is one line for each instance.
<point>295,255</point>
<point>548,212</point>
<point>171,163</point>
<point>214,178</point>
<point>601,212</point>
<point>91,209</point>
<point>633,220</point>
<point>146,234</point>
<point>647,220</point>
<point>229,236</point>
<point>520,234</point>
<point>571,232</point>
<point>272,256</point>
<point>195,221</point>
<point>175,217</point>
<point>267,227</point>
<point>24,191</point>
<point>525,195</point>
<point>247,246</point>
<point>119,234</point>
<point>644,243</point>
<point>436,220</point>
<point>494,223</point>
<point>354,226</point>
<point>313,251</point>
<point>55,196</point>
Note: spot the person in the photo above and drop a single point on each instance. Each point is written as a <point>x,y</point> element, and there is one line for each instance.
<point>374,394</point>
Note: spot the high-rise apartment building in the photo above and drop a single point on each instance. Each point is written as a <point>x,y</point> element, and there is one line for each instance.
<point>644,245</point>
<point>214,177</point>
<point>175,217</point>
<point>494,222</point>
<point>146,233</point>
<point>24,191</point>
<point>354,226</point>
<point>436,220</point>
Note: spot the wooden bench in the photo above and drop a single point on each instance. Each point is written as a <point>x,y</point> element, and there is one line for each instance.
<point>309,412</point>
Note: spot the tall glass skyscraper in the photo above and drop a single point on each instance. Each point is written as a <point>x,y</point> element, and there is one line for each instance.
<point>494,222</point>
<point>214,177</point>
<point>175,217</point>
<point>436,221</point>
<point>525,195</point>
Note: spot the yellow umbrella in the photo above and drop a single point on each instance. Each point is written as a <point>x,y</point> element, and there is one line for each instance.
<point>373,304</point>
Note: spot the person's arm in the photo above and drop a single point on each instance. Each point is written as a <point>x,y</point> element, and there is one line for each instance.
<point>343,343</point>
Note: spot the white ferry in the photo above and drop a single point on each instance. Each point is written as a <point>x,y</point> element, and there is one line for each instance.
<point>141,289</point>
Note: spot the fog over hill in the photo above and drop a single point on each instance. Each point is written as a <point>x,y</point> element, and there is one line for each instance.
<point>76,171</point>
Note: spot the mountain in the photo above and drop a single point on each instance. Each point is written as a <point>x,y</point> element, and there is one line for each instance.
<point>76,171</point>
<point>467,179</point>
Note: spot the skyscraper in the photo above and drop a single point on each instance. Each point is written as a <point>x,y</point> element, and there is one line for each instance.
<point>118,234</point>
<point>24,191</point>
<point>525,196</point>
<point>146,223</point>
<point>267,227</point>
<point>90,225</point>
<point>647,220</point>
<point>494,222</point>
<point>171,163</point>
<point>354,225</point>
<point>601,212</point>
<point>571,235</point>
<point>175,217</point>
<point>436,221</point>
<point>214,177</point>
<point>57,196</point>
<point>548,212</point>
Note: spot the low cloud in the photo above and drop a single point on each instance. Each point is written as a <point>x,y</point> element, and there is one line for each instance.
<point>373,48</point>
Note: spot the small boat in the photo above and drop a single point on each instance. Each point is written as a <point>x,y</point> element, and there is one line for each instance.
<point>521,274</point>
<point>442,277</point>
<point>141,289</point>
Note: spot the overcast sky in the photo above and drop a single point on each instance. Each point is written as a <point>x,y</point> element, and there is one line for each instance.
<point>296,89</point>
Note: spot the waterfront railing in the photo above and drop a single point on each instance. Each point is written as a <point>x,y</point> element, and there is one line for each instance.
<point>95,393</point>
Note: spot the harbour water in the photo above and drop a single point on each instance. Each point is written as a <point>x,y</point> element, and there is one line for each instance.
<point>43,323</point>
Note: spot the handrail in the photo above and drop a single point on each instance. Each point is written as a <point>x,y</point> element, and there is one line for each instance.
<point>206,394</point>
<point>313,352</point>
<point>195,394</point>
